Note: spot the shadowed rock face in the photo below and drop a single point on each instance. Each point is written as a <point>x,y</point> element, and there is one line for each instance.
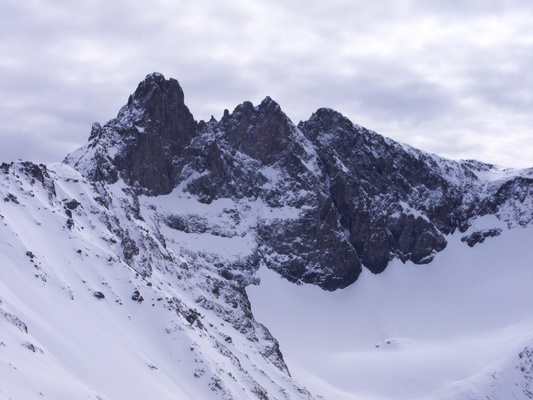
<point>377,185</point>
<point>162,127</point>
<point>357,198</point>
<point>261,133</point>
<point>150,133</point>
<point>245,149</point>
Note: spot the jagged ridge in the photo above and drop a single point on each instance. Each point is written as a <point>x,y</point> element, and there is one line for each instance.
<point>362,199</point>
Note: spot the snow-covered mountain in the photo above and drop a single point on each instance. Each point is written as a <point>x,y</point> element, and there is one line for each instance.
<point>147,264</point>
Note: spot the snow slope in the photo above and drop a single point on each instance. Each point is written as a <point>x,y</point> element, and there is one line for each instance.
<point>453,329</point>
<point>78,321</point>
<point>72,324</point>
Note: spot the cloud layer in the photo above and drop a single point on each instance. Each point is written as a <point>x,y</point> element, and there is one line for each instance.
<point>448,77</point>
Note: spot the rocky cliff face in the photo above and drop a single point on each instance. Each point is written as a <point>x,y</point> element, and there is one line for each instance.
<point>359,199</point>
<point>147,137</point>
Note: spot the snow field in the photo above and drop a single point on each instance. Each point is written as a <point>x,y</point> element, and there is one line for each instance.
<point>413,332</point>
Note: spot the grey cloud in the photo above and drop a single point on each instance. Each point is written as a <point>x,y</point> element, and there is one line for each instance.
<point>471,8</point>
<point>496,81</point>
<point>413,70</point>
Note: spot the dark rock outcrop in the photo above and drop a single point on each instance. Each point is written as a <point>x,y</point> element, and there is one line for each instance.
<point>99,295</point>
<point>393,200</point>
<point>150,133</point>
<point>161,125</point>
<point>480,236</point>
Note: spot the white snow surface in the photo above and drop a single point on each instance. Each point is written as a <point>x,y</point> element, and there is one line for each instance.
<point>452,329</point>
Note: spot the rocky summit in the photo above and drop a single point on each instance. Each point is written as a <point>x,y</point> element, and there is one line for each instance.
<point>360,199</point>
<point>135,253</point>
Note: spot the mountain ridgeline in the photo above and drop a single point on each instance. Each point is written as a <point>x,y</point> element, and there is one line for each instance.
<point>361,199</point>
<point>140,252</point>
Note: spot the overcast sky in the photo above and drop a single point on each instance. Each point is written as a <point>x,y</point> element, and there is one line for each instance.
<point>453,77</point>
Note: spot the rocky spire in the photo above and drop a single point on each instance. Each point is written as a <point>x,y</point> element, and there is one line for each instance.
<point>261,132</point>
<point>162,126</point>
<point>142,143</point>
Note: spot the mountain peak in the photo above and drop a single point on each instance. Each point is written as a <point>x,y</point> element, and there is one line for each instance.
<point>141,143</point>
<point>261,132</point>
<point>327,117</point>
<point>155,88</point>
<point>269,103</point>
<point>155,145</point>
